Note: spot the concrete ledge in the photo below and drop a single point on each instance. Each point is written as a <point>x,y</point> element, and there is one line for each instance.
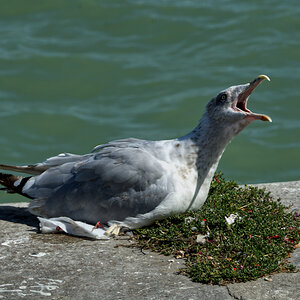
<point>38,266</point>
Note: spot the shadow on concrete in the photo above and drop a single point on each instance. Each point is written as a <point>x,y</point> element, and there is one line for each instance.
<point>18,215</point>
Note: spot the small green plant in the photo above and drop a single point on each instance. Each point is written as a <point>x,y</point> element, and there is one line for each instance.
<point>240,234</point>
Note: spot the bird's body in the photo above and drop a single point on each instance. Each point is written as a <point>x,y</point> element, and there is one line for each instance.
<point>131,182</point>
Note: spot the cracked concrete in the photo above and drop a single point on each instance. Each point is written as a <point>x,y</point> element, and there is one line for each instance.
<point>40,266</point>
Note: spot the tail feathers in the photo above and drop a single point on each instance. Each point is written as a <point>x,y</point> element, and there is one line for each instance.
<point>33,169</point>
<point>13,184</point>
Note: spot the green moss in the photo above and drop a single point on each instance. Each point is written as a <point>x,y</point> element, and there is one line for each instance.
<point>258,243</point>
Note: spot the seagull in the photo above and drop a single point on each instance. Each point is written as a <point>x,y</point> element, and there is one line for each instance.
<point>130,183</point>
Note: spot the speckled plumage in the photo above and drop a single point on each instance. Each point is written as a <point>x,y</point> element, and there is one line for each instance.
<point>133,182</point>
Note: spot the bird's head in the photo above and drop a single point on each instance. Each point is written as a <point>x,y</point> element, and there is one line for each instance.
<point>230,105</point>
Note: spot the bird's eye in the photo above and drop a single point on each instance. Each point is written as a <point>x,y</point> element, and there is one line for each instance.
<point>222,97</point>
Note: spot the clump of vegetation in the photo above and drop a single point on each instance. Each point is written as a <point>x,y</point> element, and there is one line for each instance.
<point>240,234</point>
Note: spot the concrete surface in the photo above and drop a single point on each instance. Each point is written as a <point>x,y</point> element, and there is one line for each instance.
<point>40,266</point>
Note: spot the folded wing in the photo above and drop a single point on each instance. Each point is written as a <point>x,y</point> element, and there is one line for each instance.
<point>123,179</point>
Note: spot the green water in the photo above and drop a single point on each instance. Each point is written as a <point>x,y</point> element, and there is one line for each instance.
<point>74,74</point>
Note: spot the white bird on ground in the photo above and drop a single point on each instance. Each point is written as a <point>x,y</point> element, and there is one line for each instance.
<point>131,183</point>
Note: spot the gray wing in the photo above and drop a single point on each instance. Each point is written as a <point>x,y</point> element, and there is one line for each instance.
<point>51,162</point>
<point>63,158</point>
<point>121,180</point>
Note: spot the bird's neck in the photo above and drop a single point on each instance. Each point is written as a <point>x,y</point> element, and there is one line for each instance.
<point>205,146</point>
<point>209,138</point>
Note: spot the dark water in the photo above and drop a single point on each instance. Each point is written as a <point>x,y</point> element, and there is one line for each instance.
<point>74,74</point>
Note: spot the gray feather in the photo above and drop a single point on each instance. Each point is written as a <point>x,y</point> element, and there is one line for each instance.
<point>112,184</point>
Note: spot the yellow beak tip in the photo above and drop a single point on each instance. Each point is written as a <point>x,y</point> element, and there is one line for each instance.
<point>264,77</point>
<point>266,118</point>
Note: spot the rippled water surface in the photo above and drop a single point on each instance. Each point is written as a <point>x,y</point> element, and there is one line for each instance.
<point>74,74</point>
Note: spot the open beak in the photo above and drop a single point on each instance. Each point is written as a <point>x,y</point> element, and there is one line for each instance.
<point>241,103</point>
